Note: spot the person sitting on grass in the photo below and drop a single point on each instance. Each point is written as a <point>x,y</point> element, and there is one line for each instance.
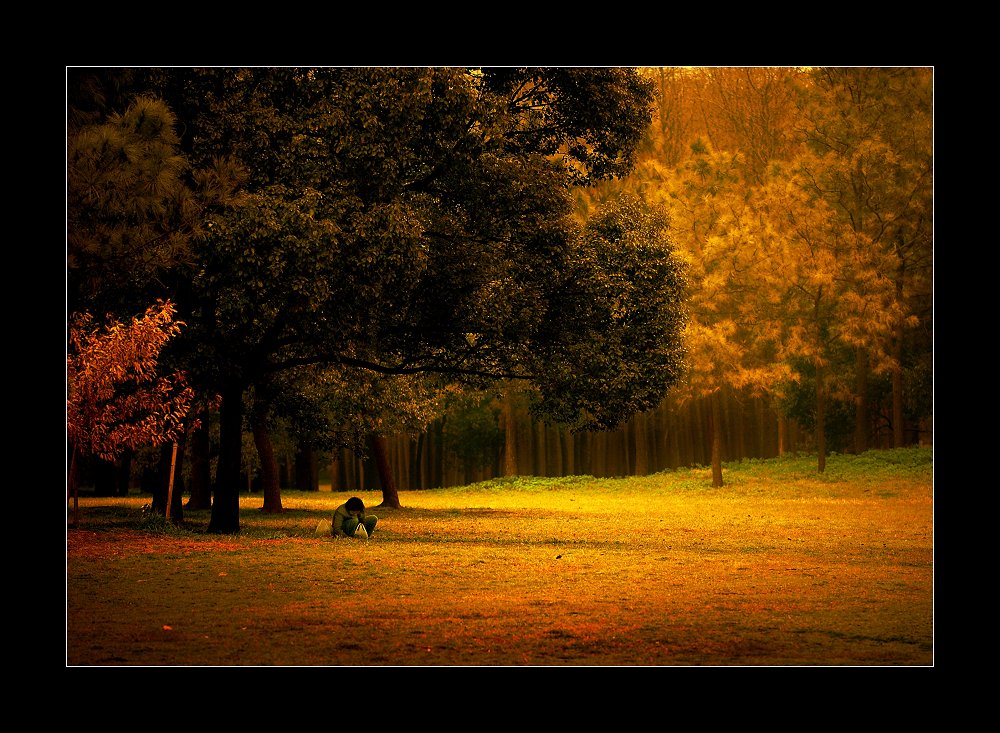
<point>351,515</point>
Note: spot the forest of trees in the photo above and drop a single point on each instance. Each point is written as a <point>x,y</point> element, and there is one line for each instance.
<point>792,208</point>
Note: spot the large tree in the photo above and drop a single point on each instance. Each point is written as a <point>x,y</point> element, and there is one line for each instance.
<point>407,221</point>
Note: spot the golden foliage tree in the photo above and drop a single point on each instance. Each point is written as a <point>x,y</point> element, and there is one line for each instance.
<point>730,346</point>
<point>116,397</point>
<point>870,136</point>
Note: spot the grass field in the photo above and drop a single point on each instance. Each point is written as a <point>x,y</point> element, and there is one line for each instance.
<point>781,567</point>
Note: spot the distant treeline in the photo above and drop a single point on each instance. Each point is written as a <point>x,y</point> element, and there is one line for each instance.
<point>471,445</point>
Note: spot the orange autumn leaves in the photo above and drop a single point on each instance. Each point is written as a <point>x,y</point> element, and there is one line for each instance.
<point>116,398</point>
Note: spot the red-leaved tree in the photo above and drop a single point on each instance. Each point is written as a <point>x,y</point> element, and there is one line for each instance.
<point>116,398</point>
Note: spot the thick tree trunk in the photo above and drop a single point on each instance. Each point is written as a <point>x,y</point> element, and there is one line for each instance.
<point>390,496</point>
<point>715,419</point>
<point>268,465</point>
<point>226,506</point>
<point>201,465</point>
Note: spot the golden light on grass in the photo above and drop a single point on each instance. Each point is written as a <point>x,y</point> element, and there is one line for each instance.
<point>780,567</point>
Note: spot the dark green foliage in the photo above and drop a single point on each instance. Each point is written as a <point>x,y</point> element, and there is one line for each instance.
<point>472,434</point>
<point>615,346</point>
<point>799,403</point>
<point>407,221</point>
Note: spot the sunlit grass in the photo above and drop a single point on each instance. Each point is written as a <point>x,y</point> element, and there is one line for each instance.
<point>779,566</point>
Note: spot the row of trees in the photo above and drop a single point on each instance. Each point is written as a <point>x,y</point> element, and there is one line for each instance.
<point>800,202</point>
<point>803,207</point>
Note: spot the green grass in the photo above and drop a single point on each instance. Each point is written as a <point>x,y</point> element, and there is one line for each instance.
<point>781,566</point>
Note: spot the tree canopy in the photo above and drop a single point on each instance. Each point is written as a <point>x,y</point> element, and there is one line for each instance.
<point>418,221</point>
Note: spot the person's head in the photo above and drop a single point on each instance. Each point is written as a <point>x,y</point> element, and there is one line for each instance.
<point>354,504</point>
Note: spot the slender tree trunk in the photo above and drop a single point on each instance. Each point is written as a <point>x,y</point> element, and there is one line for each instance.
<point>861,402</point>
<point>71,486</point>
<point>226,506</point>
<point>897,367</point>
<point>820,418</point>
<point>175,496</point>
<point>621,451</point>
<point>715,421</point>
<point>569,451</point>
<point>390,496</point>
<point>306,469</point>
<point>699,432</point>
<point>123,475</point>
<point>763,435</point>
<point>417,462</point>
<point>553,446</point>
<point>105,477</point>
<point>898,438</point>
<point>268,464</point>
<point>201,465</point>
<point>641,438</point>
<point>538,433</point>
<point>673,437</point>
<point>510,439</point>
<point>162,478</point>
<point>782,435</point>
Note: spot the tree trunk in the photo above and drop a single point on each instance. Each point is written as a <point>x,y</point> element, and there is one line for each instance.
<point>569,451</point>
<point>820,418</point>
<point>306,469</point>
<point>715,420</point>
<point>641,465</point>
<point>510,439</point>
<point>538,435</point>
<point>268,464</point>
<point>71,487</point>
<point>861,402</point>
<point>897,391</point>
<point>416,461</point>
<point>175,497</point>
<point>162,477</point>
<point>390,496</point>
<point>226,506</point>
<point>897,367</point>
<point>124,473</point>
<point>553,451</point>
<point>105,477</point>
<point>201,465</point>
